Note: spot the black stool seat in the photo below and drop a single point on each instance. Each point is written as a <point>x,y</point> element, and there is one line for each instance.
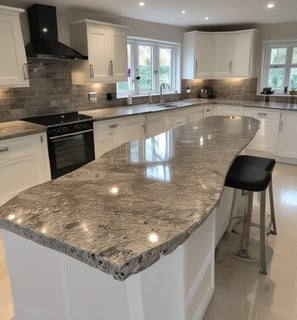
<point>259,162</point>
<point>244,176</point>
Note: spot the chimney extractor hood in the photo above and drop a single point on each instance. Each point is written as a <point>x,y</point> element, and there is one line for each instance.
<point>44,35</point>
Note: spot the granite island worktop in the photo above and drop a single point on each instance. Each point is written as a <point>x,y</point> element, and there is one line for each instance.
<point>120,213</point>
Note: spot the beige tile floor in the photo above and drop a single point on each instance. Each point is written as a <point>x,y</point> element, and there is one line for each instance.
<point>241,293</point>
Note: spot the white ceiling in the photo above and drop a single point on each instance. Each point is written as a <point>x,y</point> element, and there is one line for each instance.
<point>220,12</point>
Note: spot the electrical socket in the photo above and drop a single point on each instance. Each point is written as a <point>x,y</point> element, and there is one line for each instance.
<point>92,96</point>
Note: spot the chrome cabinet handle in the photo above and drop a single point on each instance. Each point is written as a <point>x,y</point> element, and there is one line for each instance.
<point>230,65</point>
<point>91,71</point>
<point>25,71</point>
<point>262,114</point>
<point>4,149</point>
<point>281,126</point>
<point>196,65</point>
<point>114,125</point>
<point>111,67</point>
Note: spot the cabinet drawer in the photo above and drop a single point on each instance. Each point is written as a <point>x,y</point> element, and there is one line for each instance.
<point>262,113</point>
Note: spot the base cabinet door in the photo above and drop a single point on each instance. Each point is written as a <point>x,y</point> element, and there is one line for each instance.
<point>174,118</point>
<point>132,128</point>
<point>227,110</point>
<point>287,143</point>
<point>23,164</point>
<point>154,124</point>
<point>194,114</point>
<point>265,140</point>
<point>106,136</point>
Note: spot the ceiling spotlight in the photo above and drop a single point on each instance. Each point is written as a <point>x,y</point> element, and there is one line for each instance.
<point>141,4</point>
<point>206,18</point>
<point>270,5</point>
<point>184,11</point>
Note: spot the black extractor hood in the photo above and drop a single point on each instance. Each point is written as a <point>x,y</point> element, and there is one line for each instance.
<point>44,35</point>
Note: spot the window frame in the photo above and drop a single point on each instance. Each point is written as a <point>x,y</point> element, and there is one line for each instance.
<point>268,46</point>
<point>156,46</point>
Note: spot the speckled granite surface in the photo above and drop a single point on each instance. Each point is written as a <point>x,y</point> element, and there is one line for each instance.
<point>13,129</point>
<point>139,201</point>
<point>19,128</point>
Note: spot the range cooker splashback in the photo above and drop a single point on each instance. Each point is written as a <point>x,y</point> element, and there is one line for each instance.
<point>44,35</point>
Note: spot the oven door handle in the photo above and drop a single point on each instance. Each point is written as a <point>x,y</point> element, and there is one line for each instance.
<point>70,134</point>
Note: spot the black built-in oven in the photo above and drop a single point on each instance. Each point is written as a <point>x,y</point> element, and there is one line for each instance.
<point>70,140</point>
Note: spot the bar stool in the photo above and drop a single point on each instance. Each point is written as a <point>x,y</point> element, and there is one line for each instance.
<point>253,174</point>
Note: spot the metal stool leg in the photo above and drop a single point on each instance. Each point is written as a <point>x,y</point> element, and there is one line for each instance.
<point>263,233</point>
<point>272,222</point>
<point>246,226</point>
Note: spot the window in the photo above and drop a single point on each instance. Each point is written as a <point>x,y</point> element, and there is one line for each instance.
<point>150,64</point>
<point>280,66</point>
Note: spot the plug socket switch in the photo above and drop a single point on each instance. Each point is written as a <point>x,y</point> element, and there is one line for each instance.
<point>108,96</point>
<point>93,96</point>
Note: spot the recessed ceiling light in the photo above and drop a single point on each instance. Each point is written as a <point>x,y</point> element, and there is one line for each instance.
<point>270,5</point>
<point>206,18</point>
<point>184,11</point>
<point>141,4</point>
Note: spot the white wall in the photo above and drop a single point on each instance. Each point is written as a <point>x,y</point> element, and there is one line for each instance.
<point>137,28</point>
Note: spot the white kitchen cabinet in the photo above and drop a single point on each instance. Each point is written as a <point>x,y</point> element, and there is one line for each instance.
<point>174,118</point>
<point>23,164</point>
<point>208,110</point>
<point>223,54</point>
<point>194,113</point>
<point>212,55</point>
<point>228,110</point>
<point>154,124</point>
<point>243,53</point>
<point>132,128</point>
<point>234,54</point>
<point>287,143</point>
<point>198,55</point>
<point>108,134</point>
<point>265,140</point>
<point>105,45</point>
<point>13,62</point>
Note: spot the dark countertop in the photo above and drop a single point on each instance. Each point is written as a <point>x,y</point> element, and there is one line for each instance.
<point>121,212</point>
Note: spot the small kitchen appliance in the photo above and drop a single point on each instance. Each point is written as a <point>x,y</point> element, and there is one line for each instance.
<point>206,92</point>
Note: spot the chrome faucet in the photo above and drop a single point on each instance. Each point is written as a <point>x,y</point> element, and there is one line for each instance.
<point>163,86</point>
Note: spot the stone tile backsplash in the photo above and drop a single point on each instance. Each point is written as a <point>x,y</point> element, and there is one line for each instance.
<point>51,91</point>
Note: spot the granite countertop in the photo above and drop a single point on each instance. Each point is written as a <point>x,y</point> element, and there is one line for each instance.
<point>121,212</point>
<point>258,104</point>
<point>14,129</point>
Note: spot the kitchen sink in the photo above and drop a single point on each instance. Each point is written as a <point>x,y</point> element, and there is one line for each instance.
<point>174,104</point>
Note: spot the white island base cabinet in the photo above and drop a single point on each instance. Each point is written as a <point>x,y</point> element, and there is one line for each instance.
<point>48,285</point>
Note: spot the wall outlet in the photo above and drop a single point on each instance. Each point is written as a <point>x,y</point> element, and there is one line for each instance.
<point>93,96</point>
<point>188,90</point>
<point>108,96</point>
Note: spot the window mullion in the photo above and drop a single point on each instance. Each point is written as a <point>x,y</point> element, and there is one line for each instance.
<point>157,68</point>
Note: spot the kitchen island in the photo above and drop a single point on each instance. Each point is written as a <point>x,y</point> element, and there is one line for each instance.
<point>143,213</point>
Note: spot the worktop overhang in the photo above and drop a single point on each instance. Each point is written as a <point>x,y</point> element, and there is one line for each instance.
<point>121,212</point>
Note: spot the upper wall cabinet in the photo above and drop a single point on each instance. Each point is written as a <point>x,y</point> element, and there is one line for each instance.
<point>216,55</point>
<point>106,47</point>
<point>13,62</point>
<point>198,55</point>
